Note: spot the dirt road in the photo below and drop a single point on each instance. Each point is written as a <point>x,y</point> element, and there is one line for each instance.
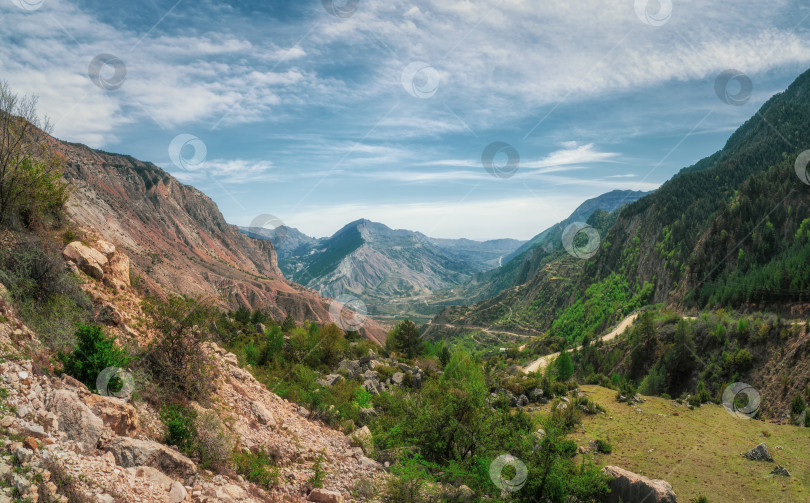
<point>543,361</point>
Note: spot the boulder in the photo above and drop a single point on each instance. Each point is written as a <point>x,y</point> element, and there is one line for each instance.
<point>759,453</point>
<point>177,493</point>
<point>325,496</point>
<point>262,414</point>
<point>153,475</point>
<point>109,315</point>
<point>362,438</point>
<point>398,378</point>
<point>260,328</point>
<point>118,269</point>
<point>75,418</point>
<point>629,486</point>
<point>522,401</point>
<point>129,452</point>
<point>351,367</point>
<point>116,413</point>
<point>464,493</point>
<point>373,386</point>
<point>366,413</point>
<point>330,380</point>
<point>781,471</point>
<point>88,260</point>
<point>106,248</point>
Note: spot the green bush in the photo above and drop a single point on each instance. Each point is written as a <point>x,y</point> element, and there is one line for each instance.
<point>798,405</point>
<point>94,352</point>
<point>257,467</point>
<point>181,427</point>
<point>604,446</point>
<point>213,443</point>
<point>318,473</point>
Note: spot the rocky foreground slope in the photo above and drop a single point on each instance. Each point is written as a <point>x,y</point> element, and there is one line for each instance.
<point>65,440</point>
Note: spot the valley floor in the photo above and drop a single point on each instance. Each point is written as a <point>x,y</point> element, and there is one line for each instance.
<point>699,451</point>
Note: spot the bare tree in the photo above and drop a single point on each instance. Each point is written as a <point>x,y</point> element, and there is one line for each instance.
<point>29,172</point>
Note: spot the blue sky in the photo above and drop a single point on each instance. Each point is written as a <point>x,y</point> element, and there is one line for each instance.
<point>385,113</point>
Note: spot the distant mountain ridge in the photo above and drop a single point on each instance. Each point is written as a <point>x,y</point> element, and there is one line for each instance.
<point>379,264</point>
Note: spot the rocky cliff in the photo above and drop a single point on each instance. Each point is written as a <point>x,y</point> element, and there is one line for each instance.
<point>177,239</point>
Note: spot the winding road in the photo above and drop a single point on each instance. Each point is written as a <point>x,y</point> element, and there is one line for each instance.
<point>543,361</point>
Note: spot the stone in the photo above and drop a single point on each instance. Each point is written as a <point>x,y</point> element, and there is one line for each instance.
<point>369,464</point>
<point>366,413</point>
<point>23,455</point>
<point>522,401</point>
<point>20,484</point>
<point>119,269</point>
<point>109,315</point>
<point>153,475</point>
<point>373,386</point>
<point>325,496</point>
<point>262,414</point>
<point>23,411</point>
<point>260,328</point>
<point>362,438</point>
<point>759,453</point>
<point>177,493</point>
<point>465,493</point>
<point>116,413</point>
<point>330,380</point>
<point>781,471</point>
<point>7,421</point>
<point>30,443</point>
<point>398,378</point>
<point>33,430</point>
<point>89,261</point>
<point>76,419</point>
<point>351,367</point>
<point>130,452</point>
<point>105,498</point>
<point>108,249</point>
<point>629,486</point>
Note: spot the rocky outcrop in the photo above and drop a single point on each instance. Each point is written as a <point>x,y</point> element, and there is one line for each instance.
<point>76,419</point>
<point>115,413</point>
<point>628,486</point>
<point>129,452</point>
<point>89,261</point>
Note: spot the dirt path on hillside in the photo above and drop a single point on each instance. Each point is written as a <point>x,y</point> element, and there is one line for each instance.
<point>543,361</point>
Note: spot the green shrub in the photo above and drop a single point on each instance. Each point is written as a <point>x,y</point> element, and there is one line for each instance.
<point>604,446</point>
<point>257,467</point>
<point>181,427</point>
<point>699,499</point>
<point>362,397</point>
<point>318,473</point>
<point>797,406</point>
<point>252,354</point>
<point>94,352</point>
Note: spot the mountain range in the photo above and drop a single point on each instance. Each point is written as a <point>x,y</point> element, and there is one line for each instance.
<point>388,269</point>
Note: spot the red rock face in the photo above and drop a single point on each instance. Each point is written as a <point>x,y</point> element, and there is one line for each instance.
<point>178,241</point>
